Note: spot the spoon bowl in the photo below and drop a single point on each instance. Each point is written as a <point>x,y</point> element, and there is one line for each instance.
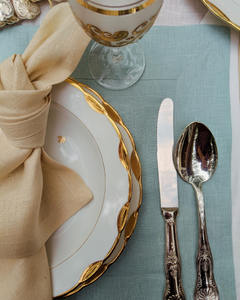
<point>196,160</point>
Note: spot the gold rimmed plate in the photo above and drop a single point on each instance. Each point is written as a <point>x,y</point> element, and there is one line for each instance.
<point>226,10</point>
<point>135,202</point>
<point>82,135</point>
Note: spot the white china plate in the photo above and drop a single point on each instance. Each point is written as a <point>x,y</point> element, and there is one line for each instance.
<point>86,141</point>
<point>136,198</point>
<point>226,10</point>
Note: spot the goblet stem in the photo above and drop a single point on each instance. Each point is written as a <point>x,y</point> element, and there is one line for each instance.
<point>116,54</point>
<point>116,68</point>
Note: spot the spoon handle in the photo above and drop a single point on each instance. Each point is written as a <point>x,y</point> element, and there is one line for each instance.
<point>173,288</point>
<point>206,287</point>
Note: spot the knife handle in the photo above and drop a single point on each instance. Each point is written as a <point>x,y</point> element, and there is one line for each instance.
<point>173,288</point>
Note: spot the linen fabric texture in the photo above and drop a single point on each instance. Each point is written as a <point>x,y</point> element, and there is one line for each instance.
<point>37,195</point>
<point>195,74</point>
<point>190,65</point>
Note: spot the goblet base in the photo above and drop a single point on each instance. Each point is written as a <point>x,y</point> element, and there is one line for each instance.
<point>116,68</point>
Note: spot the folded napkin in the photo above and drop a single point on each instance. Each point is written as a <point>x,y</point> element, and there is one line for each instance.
<point>37,195</point>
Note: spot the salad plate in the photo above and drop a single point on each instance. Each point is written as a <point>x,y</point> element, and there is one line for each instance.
<point>83,136</point>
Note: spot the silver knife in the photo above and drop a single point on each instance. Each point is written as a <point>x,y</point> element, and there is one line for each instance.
<point>169,200</point>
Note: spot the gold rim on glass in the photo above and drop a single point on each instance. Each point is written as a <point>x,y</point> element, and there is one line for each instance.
<point>116,6</point>
<point>125,222</point>
<point>120,12</point>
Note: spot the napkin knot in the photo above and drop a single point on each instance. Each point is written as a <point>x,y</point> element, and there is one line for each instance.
<point>37,195</point>
<point>22,120</point>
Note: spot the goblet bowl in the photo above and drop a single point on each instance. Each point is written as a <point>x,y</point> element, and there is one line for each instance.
<point>116,61</point>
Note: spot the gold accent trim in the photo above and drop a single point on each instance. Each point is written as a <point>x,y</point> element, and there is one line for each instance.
<point>102,37</point>
<point>239,65</point>
<point>115,6</point>
<point>218,13</point>
<point>122,217</point>
<point>61,139</point>
<point>50,3</point>
<point>115,12</point>
<point>119,38</point>
<point>135,167</point>
<point>92,269</point>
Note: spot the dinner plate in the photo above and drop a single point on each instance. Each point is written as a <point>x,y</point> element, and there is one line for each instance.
<point>135,202</point>
<point>226,10</point>
<point>83,135</point>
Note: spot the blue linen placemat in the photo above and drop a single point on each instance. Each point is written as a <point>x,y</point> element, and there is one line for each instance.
<point>190,65</point>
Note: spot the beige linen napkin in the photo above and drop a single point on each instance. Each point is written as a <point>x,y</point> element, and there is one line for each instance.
<point>37,195</point>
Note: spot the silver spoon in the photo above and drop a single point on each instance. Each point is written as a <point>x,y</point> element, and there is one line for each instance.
<point>196,160</point>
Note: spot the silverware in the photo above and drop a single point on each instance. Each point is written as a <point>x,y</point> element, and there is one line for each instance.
<point>196,160</point>
<point>169,200</point>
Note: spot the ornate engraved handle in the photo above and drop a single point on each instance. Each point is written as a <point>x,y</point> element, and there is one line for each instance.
<point>173,289</point>
<point>206,287</point>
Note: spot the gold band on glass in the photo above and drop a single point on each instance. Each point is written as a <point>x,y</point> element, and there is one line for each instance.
<point>218,13</point>
<point>116,12</point>
<point>115,6</point>
<point>119,38</point>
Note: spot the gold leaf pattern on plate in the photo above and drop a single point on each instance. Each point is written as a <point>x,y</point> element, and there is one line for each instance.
<point>92,269</point>
<point>61,139</point>
<point>127,219</point>
<point>122,217</point>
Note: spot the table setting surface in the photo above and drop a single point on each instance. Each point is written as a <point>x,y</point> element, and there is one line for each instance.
<point>192,58</point>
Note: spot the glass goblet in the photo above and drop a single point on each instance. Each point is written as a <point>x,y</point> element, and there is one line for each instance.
<point>116,61</point>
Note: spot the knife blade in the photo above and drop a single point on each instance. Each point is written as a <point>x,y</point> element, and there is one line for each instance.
<point>169,200</point>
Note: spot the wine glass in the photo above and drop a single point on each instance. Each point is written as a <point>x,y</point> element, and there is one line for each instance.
<point>116,61</point>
